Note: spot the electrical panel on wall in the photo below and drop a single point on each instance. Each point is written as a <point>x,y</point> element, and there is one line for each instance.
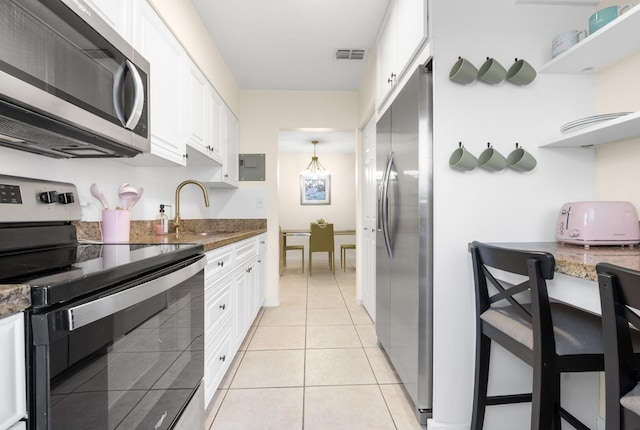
<point>252,167</point>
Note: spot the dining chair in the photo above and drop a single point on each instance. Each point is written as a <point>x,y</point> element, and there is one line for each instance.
<point>321,240</point>
<point>343,254</point>
<point>550,337</point>
<point>294,248</point>
<point>620,302</point>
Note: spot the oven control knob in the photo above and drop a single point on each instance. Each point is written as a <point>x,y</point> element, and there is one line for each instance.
<point>66,198</point>
<point>574,233</point>
<point>49,197</point>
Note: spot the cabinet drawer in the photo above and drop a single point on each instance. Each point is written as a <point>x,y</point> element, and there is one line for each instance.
<point>216,306</point>
<point>262,243</point>
<point>219,262</point>
<point>245,250</point>
<point>217,359</point>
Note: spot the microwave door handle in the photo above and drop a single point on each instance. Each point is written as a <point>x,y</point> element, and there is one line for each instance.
<point>118,102</point>
<point>87,313</point>
<point>138,95</point>
<point>138,98</point>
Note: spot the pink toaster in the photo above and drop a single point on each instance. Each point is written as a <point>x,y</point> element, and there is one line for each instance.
<point>598,223</point>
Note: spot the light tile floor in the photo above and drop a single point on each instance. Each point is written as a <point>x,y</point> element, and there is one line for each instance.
<point>312,363</point>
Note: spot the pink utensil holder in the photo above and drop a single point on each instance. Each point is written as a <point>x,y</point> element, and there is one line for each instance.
<point>115,225</point>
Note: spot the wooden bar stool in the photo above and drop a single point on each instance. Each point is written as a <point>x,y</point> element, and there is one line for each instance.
<point>620,302</point>
<point>551,337</point>
<point>343,254</point>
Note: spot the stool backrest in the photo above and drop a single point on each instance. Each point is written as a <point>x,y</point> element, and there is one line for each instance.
<point>619,301</point>
<point>491,289</point>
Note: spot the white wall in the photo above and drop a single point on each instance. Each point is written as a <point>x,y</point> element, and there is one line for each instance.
<point>504,206</point>
<point>342,210</point>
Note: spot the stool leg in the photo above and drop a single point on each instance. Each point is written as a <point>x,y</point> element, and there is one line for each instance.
<point>543,399</point>
<point>483,354</point>
<point>302,252</point>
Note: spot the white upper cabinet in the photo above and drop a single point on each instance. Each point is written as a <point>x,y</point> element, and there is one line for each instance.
<point>156,43</point>
<point>202,118</point>
<point>227,175</point>
<point>401,37</point>
<point>116,13</point>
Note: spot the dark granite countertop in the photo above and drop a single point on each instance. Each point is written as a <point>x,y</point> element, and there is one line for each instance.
<point>16,298</point>
<point>575,260</point>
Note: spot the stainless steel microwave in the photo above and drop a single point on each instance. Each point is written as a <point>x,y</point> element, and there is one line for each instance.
<point>70,85</point>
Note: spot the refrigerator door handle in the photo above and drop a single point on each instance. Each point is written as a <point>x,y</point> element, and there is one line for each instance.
<point>385,203</point>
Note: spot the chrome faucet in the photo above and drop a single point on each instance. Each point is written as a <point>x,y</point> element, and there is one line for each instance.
<point>182,184</point>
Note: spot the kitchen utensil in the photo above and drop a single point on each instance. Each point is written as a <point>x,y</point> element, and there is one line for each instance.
<point>95,192</point>
<point>521,73</point>
<point>133,201</point>
<point>125,193</point>
<point>463,72</point>
<point>463,160</point>
<point>521,160</point>
<point>492,72</point>
<point>115,226</point>
<point>566,40</point>
<point>491,159</point>
<point>605,16</point>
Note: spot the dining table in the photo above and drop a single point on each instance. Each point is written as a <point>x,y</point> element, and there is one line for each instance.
<point>298,232</point>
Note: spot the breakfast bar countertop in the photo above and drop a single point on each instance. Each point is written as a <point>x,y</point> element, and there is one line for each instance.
<point>579,262</point>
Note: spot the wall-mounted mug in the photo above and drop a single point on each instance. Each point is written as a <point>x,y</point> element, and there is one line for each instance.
<point>521,73</point>
<point>462,160</point>
<point>492,72</point>
<point>566,40</point>
<point>492,160</point>
<point>521,160</point>
<point>463,72</point>
<point>605,16</point>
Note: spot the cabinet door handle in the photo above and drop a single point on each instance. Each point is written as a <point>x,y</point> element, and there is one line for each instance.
<point>223,358</point>
<point>220,263</point>
<point>223,306</point>
<point>249,269</point>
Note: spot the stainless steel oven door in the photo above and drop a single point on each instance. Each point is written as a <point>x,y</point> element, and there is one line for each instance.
<point>129,358</point>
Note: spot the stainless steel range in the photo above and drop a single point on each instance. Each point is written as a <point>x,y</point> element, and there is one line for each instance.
<point>115,332</point>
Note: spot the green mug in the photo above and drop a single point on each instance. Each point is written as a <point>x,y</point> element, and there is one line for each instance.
<point>521,160</point>
<point>492,72</point>
<point>521,73</point>
<point>462,160</point>
<point>463,72</point>
<point>492,160</point>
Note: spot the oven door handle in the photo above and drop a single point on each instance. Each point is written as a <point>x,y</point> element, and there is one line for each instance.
<point>81,315</point>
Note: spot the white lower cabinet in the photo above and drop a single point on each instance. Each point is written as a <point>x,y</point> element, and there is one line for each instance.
<point>13,395</point>
<point>234,292</point>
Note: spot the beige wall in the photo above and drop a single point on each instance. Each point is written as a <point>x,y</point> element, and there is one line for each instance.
<point>341,211</point>
<point>263,114</point>
<point>183,20</point>
<point>617,164</point>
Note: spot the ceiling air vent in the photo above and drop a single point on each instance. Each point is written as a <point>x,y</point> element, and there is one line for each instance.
<point>350,54</point>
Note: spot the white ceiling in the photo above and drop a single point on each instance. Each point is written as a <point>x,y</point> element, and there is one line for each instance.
<point>329,142</point>
<point>290,44</point>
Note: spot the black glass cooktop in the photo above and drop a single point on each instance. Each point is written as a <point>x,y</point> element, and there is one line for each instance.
<point>62,273</point>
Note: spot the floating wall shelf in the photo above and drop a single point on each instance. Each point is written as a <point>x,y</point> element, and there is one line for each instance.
<point>609,44</point>
<point>625,127</point>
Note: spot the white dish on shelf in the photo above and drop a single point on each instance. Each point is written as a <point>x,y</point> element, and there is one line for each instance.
<point>590,120</point>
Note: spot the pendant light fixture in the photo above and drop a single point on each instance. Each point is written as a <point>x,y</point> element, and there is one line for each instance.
<point>315,169</point>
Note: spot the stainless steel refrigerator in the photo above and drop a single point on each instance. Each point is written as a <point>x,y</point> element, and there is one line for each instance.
<point>404,245</point>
